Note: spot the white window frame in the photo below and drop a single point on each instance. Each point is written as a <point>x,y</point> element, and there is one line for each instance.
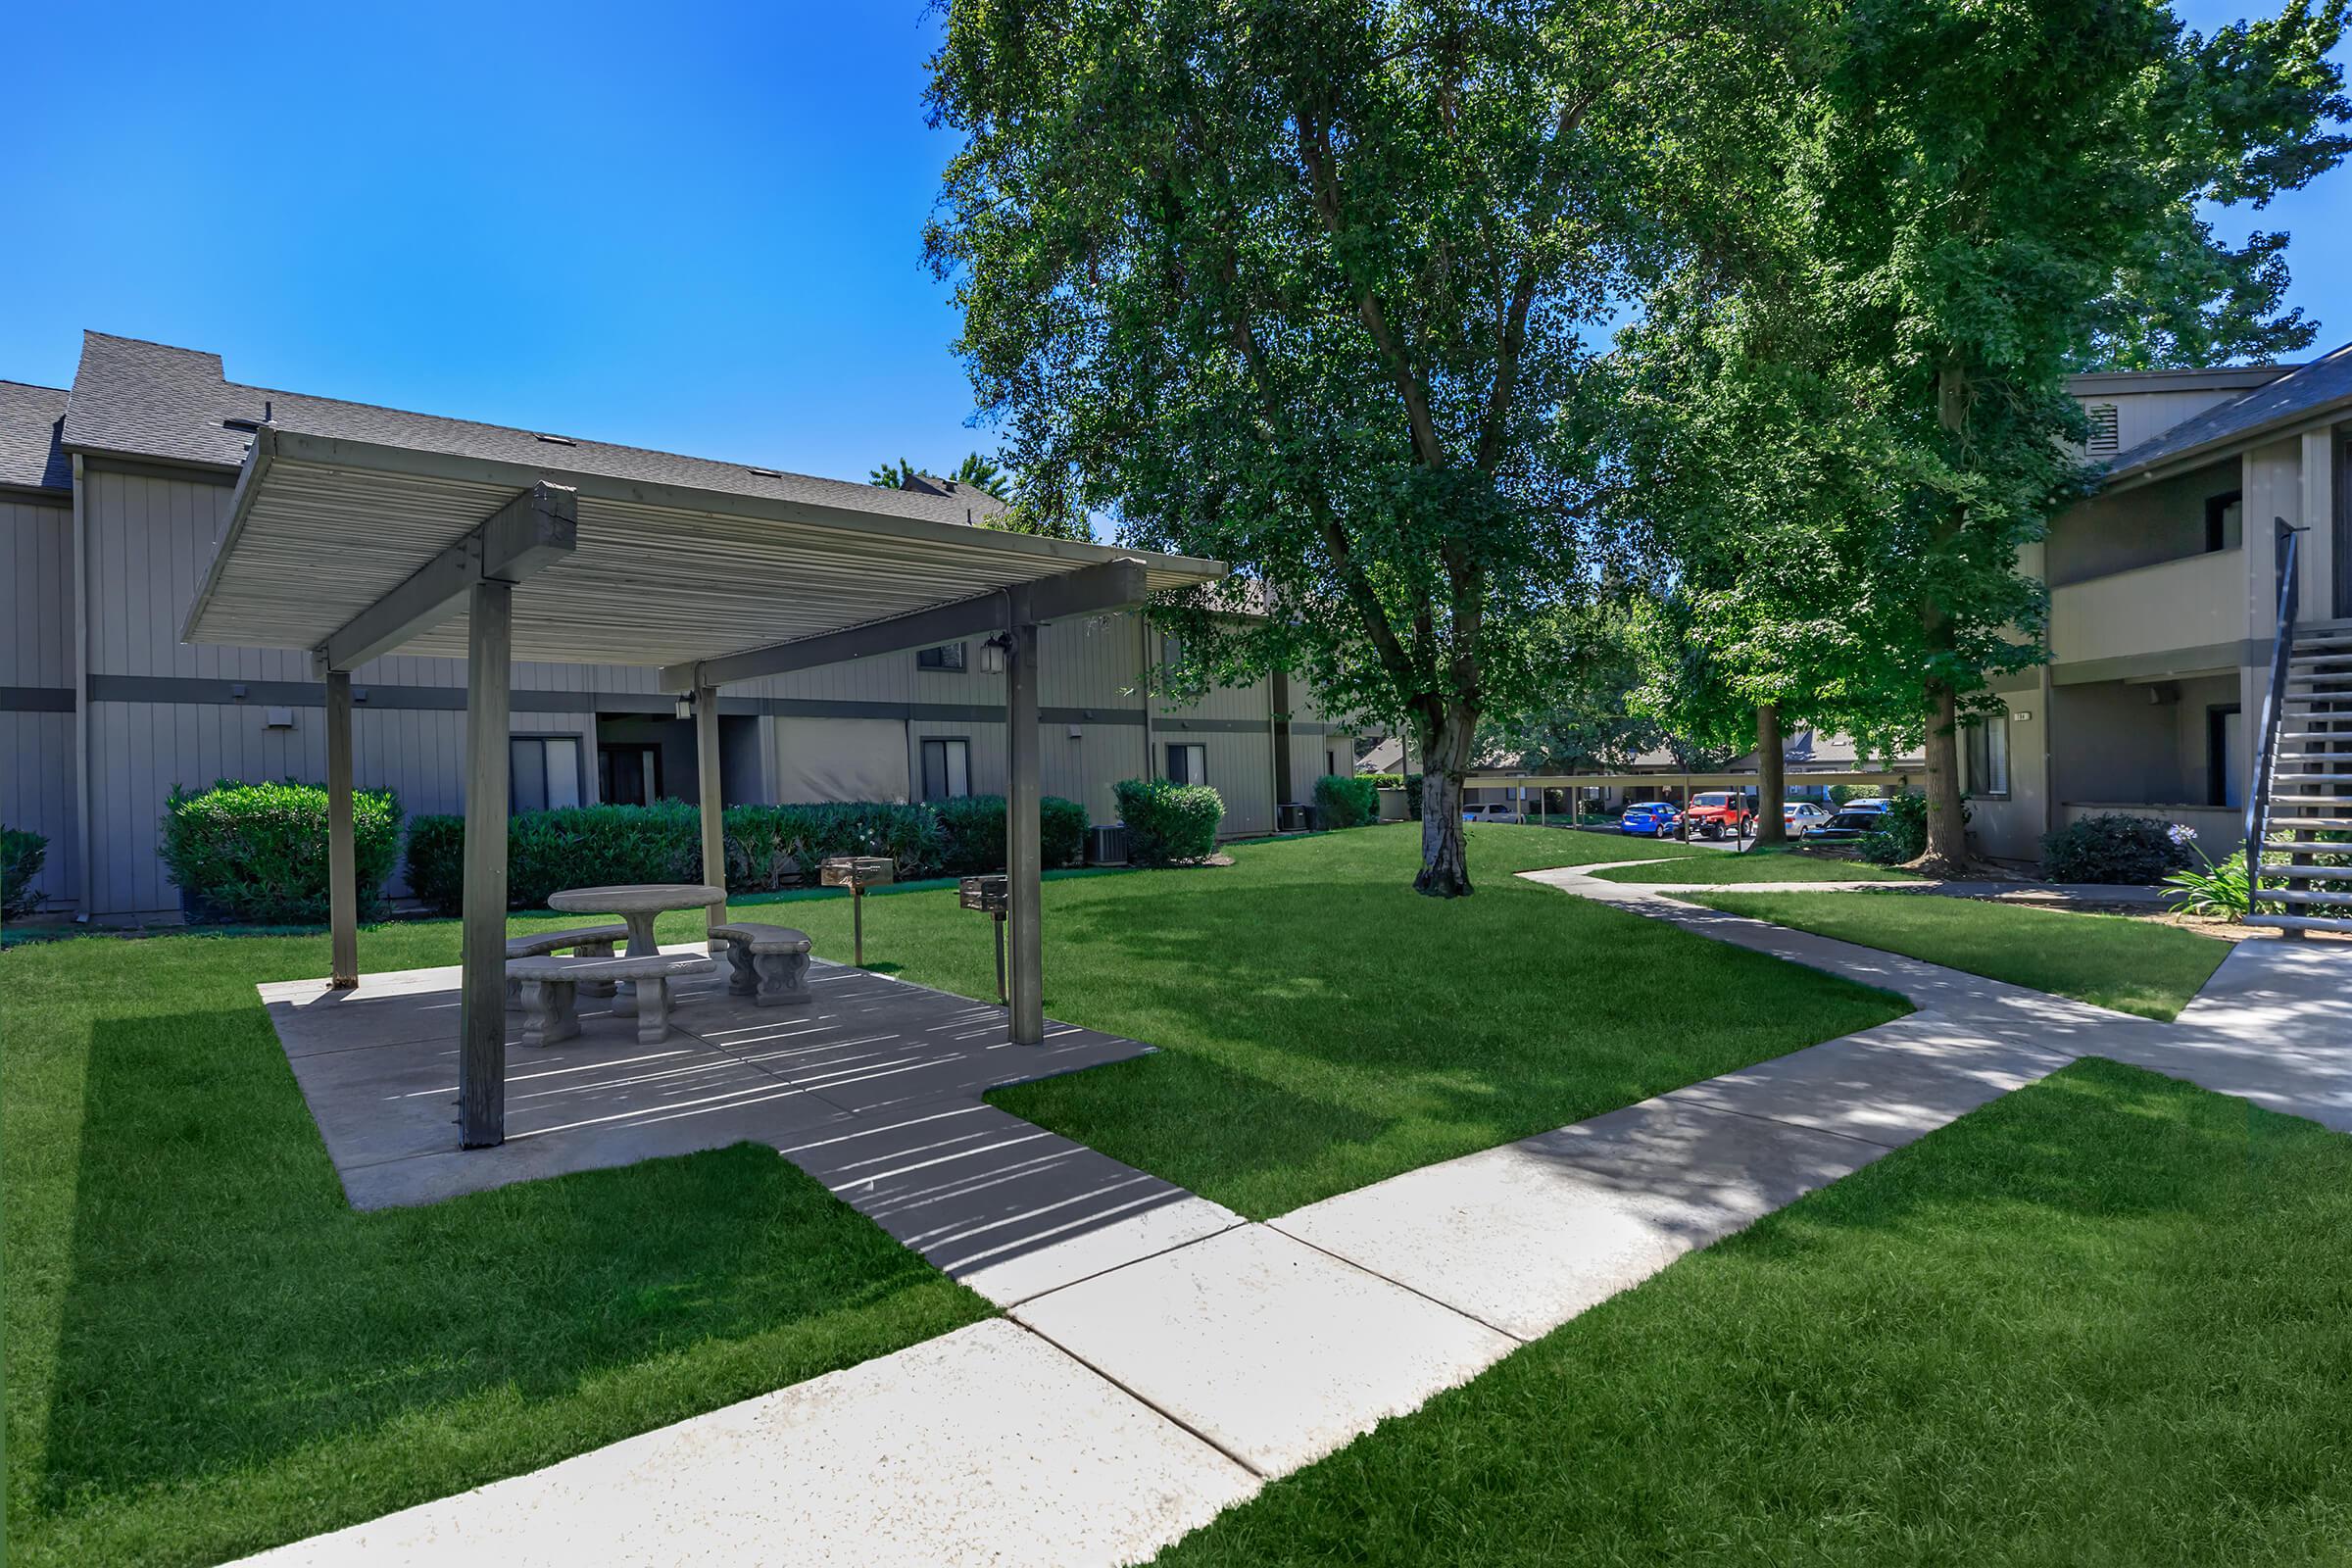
<point>1984,758</point>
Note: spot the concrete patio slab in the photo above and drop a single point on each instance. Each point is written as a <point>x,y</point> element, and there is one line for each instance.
<point>1272,1351</point>
<point>986,1445</point>
<point>1525,1237</point>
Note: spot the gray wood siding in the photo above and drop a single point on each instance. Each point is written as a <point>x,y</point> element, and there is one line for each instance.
<point>37,793</point>
<point>38,647</point>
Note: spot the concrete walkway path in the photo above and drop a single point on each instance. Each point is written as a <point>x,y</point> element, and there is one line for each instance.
<point>1108,1415</point>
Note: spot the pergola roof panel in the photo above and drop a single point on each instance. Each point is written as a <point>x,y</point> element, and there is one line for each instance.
<point>323,528</point>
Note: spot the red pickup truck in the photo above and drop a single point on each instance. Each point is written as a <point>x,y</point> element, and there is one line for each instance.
<point>1719,813</point>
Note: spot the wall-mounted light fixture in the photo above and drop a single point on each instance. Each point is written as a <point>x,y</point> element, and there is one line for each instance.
<point>686,708</point>
<point>992,654</point>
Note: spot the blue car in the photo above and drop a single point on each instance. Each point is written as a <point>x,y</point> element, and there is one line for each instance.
<point>1653,820</point>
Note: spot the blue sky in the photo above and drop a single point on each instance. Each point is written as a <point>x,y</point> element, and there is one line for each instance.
<point>691,228</point>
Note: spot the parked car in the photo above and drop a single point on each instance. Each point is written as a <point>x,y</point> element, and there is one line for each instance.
<point>1850,824</point>
<point>1801,817</point>
<point>1654,820</point>
<point>1493,811</point>
<point>1715,814</point>
<point>1871,803</point>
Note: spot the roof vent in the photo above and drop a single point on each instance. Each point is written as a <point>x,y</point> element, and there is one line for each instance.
<point>240,424</point>
<point>559,440</point>
<point>2103,427</point>
<point>765,473</point>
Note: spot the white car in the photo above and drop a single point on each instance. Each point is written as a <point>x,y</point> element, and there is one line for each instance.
<point>1493,811</point>
<point>1803,816</point>
<point>1868,804</point>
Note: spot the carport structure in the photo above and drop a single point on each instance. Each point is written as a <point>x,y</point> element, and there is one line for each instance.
<point>354,549</point>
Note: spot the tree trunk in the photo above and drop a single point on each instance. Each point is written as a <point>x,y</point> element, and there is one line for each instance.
<point>1947,830</point>
<point>1772,781</point>
<point>1446,748</point>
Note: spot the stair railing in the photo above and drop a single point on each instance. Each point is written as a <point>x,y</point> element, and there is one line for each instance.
<point>2274,711</point>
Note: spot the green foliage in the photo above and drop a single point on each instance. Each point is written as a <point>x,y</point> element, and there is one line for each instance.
<point>1385,781</point>
<point>1168,823</point>
<point>258,852</point>
<point>1306,291</point>
<point>981,473</point>
<point>1412,796</point>
<point>769,847</point>
<point>2224,890</point>
<point>2112,848</point>
<point>21,856</point>
<point>1902,834</point>
<point>1346,802</point>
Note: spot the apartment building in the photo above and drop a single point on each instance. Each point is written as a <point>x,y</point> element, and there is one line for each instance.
<point>111,494</point>
<point>2163,592</point>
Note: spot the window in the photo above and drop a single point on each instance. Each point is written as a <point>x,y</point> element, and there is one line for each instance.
<point>2225,521</point>
<point>543,772</point>
<point>1171,652</point>
<point>947,769</point>
<point>628,774</point>
<point>1985,756</point>
<point>1188,762</point>
<point>2103,429</point>
<point>947,655</point>
<point>1331,762</point>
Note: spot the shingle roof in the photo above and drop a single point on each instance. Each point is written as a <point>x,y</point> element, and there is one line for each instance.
<point>29,454</point>
<point>2301,392</point>
<point>149,400</point>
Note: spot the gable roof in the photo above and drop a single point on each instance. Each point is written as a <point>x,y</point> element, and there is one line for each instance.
<point>2305,392</point>
<point>133,398</point>
<point>30,456</point>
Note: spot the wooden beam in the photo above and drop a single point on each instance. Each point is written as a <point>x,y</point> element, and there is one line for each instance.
<point>342,852</point>
<point>709,769</point>
<point>1024,847</point>
<point>532,532</point>
<point>483,993</point>
<point>1096,590</point>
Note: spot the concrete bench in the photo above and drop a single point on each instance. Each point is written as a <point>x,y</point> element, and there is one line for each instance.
<point>771,962</point>
<point>551,1008</point>
<point>589,942</point>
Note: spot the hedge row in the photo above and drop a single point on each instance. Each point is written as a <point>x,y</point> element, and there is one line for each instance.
<point>769,847</point>
<point>1168,823</point>
<point>258,852</point>
<point>1345,802</point>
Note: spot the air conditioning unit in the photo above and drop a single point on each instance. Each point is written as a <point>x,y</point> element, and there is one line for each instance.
<point>1106,846</point>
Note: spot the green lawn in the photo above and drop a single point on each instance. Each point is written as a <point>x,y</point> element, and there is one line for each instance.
<point>1322,1026</point>
<point>1756,865</point>
<point>208,1353</point>
<point>2100,1321</point>
<point>2112,960</point>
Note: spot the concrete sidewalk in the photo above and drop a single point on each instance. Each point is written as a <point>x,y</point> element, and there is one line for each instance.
<point>1106,1415</point>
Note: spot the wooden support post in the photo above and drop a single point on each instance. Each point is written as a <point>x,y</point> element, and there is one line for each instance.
<point>1024,850</point>
<point>707,766</point>
<point>342,856</point>
<point>482,1003</point>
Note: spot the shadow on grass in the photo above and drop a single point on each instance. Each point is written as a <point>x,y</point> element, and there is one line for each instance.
<point>1317,1035</point>
<point>224,1308</point>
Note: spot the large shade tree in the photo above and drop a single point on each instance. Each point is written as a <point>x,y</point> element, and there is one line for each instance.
<point>1980,198</point>
<point>1308,289</point>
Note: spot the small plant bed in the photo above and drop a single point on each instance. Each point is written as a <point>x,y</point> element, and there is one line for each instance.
<point>209,1352</point>
<point>1756,865</point>
<point>2098,1321</point>
<point>2146,966</point>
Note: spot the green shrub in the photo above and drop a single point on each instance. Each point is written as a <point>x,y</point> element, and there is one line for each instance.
<point>1343,802</point>
<point>1903,833</point>
<point>21,855</point>
<point>769,847</point>
<point>1412,796</point>
<point>1385,781</point>
<point>2114,848</point>
<point>1168,823</point>
<point>2223,890</point>
<point>258,852</point>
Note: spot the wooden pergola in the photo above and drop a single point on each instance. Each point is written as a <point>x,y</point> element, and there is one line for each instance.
<point>353,549</point>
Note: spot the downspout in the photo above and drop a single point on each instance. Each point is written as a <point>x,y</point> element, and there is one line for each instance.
<point>82,692</point>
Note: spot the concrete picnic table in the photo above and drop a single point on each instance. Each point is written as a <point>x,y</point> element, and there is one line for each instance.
<point>636,903</point>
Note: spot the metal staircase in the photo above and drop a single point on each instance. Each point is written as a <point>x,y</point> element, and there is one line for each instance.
<point>2299,802</point>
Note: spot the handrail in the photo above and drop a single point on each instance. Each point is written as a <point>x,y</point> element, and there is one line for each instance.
<point>2274,704</point>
